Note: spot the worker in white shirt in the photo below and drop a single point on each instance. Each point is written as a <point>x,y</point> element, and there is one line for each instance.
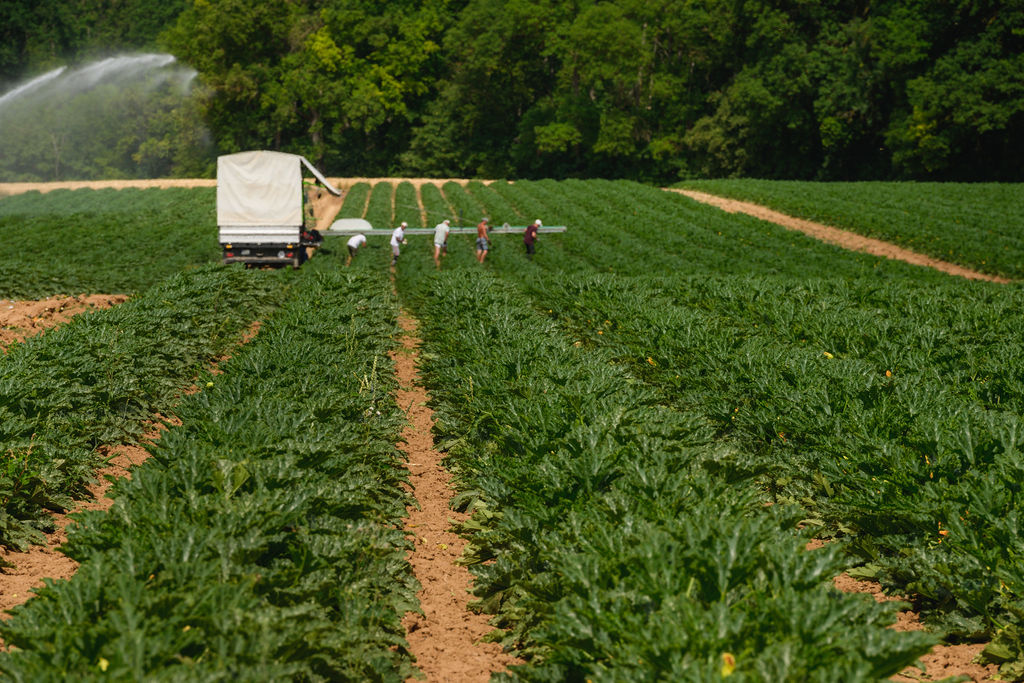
<point>354,242</point>
<point>397,238</point>
<point>441,241</point>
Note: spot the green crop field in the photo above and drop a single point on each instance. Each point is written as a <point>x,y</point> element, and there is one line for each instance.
<point>978,225</point>
<point>70,242</point>
<point>649,421</point>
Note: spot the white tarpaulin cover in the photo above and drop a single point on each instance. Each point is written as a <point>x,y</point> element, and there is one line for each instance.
<point>261,188</point>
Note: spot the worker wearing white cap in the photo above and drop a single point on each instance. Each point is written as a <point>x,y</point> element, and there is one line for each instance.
<point>530,237</point>
<point>441,231</point>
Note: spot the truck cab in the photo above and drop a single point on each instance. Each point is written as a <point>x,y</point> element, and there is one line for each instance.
<point>262,212</point>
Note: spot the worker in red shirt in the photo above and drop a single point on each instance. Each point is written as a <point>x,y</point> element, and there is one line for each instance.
<point>530,238</point>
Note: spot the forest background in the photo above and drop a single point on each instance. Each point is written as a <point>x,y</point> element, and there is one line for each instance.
<point>651,90</point>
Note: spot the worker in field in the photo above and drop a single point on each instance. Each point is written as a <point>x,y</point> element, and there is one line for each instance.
<point>441,231</point>
<point>530,237</point>
<point>354,242</point>
<point>483,242</point>
<point>397,239</point>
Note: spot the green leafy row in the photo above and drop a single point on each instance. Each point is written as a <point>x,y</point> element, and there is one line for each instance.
<point>407,206</point>
<point>354,203</point>
<point>436,205</point>
<point>606,534</point>
<point>262,539</point>
<point>467,211</point>
<point>96,379</point>
<point>891,413</point>
<point>976,225</point>
<point>113,241</point>
<point>380,210</point>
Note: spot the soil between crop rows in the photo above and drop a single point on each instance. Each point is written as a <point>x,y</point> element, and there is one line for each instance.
<point>22,319</point>
<point>445,639</point>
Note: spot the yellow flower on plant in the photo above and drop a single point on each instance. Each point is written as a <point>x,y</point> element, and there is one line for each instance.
<point>728,663</point>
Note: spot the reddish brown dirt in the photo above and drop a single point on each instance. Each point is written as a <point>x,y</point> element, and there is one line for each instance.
<point>18,188</point>
<point>446,638</point>
<point>19,320</point>
<point>340,183</point>
<point>22,319</point>
<point>842,238</point>
<point>943,661</point>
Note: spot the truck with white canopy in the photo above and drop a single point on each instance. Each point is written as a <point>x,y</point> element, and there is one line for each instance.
<point>263,213</point>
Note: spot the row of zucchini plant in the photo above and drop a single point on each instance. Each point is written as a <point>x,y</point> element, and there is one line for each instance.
<point>262,540</point>
<point>891,413</point>
<point>112,241</point>
<point>885,400</point>
<point>94,380</point>
<point>607,533</point>
<point>974,224</point>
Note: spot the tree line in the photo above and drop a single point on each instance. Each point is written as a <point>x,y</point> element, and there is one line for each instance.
<point>654,90</point>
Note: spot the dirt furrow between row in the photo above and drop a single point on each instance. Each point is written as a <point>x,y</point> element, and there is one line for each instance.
<point>21,319</point>
<point>843,238</point>
<point>446,637</point>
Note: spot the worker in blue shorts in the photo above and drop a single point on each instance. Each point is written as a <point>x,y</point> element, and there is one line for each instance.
<point>483,242</point>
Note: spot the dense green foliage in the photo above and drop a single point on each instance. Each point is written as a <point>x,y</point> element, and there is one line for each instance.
<point>620,547</point>
<point>93,381</point>
<point>976,225</point>
<point>260,541</point>
<point>880,398</point>
<point>890,412</point>
<point>627,88</point>
<point>113,241</point>
<point>43,34</point>
<point>648,420</point>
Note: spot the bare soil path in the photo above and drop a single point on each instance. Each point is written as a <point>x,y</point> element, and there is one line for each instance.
<point>842,238</point>
<point>340,183</point>
<point>944,661</point>
<point>20,319</point>
<point>446,638</point>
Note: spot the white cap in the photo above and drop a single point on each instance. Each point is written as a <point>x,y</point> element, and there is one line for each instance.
<point>446,221</point>
<point>404,224</point>
<point>538,222</point>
